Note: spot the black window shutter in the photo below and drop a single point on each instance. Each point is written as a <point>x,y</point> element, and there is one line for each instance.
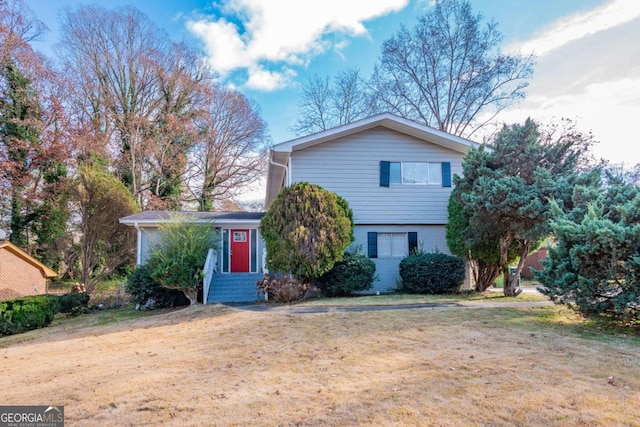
<point>372,244</point>
<point>384,173</point>
<point>446,174</point>
<point>413,241</point>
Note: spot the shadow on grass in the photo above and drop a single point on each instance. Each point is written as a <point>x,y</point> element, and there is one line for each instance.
<point>103,322</point>
<point>563,319</point>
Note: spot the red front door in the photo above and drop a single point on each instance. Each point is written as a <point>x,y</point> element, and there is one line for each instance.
<point>239,251</point>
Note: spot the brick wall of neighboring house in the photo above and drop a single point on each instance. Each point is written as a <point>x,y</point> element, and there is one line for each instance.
<point>17,276</point>
<point>533,261</point>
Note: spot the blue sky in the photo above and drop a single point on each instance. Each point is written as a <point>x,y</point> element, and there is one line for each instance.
<point>588,55</point>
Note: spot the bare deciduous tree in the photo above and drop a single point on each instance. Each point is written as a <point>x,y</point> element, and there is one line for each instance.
<point>230,153</point>
<point>448,72</point>
<point>324,106</point>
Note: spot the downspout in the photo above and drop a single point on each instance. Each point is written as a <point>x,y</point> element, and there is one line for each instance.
<point>286,170</point>
<point>138,244</point>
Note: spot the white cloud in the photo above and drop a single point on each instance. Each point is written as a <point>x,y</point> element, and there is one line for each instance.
<point>274,34</point>
<point>609,109</point>
<point>581,25</point>
<point>267,80</point>
<point>587,71</point>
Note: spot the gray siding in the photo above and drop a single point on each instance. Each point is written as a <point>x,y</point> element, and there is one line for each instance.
<point>350,167</point>
<point>150,235</point>
<point>431,238</point>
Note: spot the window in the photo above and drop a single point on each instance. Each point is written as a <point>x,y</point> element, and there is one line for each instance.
<point>239,236</point>
<point>391,245</point>
<point>419,173</point>
<point>415,173</point>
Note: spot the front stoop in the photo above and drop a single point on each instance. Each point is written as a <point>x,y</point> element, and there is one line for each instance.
<point>233,287</point>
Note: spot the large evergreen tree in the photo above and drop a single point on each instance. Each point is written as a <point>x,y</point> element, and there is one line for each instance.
<point>506,189</point>
<point>594,264</point>
<point>100,200</point>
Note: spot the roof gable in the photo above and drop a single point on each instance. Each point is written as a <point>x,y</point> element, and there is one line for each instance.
<point>10,247</point>
<point>280,154</point>
<point>390,121</point>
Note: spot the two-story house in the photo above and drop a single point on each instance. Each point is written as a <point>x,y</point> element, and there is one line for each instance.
<point>395,174</point>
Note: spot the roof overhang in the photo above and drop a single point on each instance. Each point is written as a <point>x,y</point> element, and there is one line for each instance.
<point>156,218</point>
<point>280,154</point>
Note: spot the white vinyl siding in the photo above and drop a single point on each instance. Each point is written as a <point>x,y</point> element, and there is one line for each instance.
<point>392,245</point>
<point>350,167</point>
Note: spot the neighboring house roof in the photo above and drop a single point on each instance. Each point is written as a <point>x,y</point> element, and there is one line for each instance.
<point>46,271</point>
<point>158,217</point>
<point>279,154</point>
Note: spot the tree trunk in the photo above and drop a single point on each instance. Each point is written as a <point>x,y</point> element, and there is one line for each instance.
<point>510,289</point>
<point>485,274</point>
<point>192,295</point>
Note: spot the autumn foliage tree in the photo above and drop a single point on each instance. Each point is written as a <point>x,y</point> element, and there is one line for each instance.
<point>306,231</point>
<point>33,151</point>
<point>135,94</point>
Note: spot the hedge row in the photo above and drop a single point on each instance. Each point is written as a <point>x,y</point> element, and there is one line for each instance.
<point>26,313</point>
<point>32,312</point>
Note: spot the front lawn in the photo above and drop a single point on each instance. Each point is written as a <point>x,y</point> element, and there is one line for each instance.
<point>216,365</point>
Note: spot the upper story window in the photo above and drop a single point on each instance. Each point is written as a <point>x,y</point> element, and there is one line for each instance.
<point>415,173</point>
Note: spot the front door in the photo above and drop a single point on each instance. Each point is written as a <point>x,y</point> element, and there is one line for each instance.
<point>239,251</point>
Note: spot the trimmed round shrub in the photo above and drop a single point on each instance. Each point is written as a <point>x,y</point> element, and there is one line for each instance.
<point>431,273</point>
<point>306,231</point>
<point>74,303</point>
<point>354,273</point>
<point>142,288</point>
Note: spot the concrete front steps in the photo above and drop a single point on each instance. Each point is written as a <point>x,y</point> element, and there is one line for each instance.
<point>233,287</point>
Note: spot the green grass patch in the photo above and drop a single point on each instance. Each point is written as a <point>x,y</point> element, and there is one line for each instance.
<point>106,317</point>
<point>408,299</point>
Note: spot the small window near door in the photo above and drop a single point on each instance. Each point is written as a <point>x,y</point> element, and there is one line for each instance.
<point>239,236</point>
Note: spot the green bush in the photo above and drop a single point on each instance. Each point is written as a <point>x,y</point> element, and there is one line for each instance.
<point>143,288</point>
<point>431,273</point>
<point>74,303</point>
<point>306,231</point>
<point>27,313</point>
<point>354,273</point>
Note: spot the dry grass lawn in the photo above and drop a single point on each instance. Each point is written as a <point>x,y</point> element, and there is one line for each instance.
<point>222,366</point>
